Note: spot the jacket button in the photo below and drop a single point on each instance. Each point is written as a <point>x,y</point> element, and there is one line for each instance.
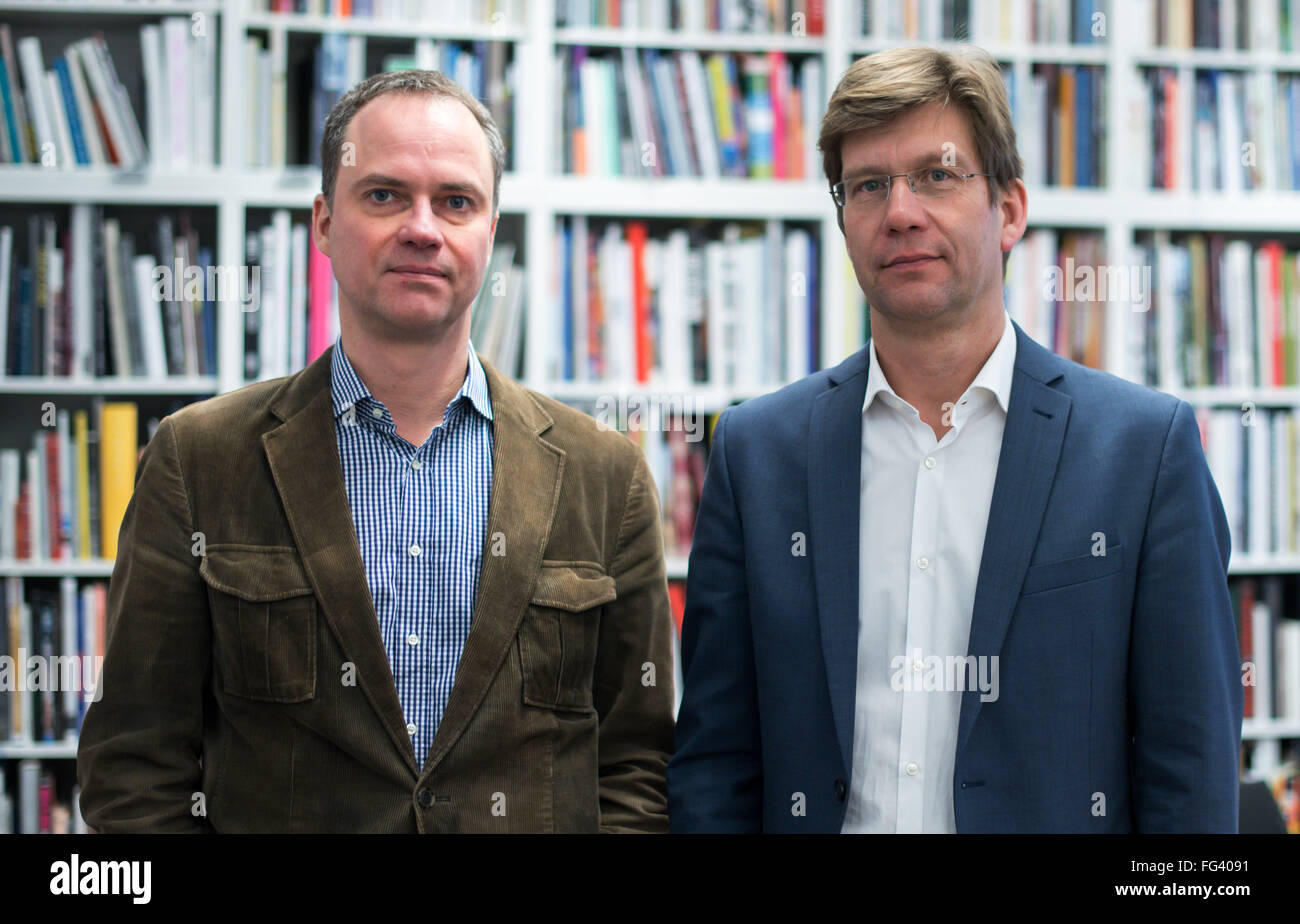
<point>424,797</point>
<point>839,790</point>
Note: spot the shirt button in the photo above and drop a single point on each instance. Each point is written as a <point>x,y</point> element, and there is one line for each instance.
<point>410,728</point>
<point>413,639</point>
<point>912,769</point>
<point>923,563</point>
<point>415,550</point>
<point>929,462</point>
<point>417,465</point>
<point>376,412</point>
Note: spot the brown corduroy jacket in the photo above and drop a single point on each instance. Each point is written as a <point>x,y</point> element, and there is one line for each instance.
<point>245,685</point>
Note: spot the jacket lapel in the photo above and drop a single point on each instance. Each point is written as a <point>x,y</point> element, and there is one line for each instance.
<point>834,489</point>
<point>1037,415</point>
<point>304,459</point>
<point>526,477</point>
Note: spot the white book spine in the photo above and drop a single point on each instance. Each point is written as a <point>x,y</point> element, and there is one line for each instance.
<point>150,311</point>
<point>1262,633</point>
<point>38,101</point>
<point>10,473</point>
<point>81,93</point>
<point>706,140</point>
<point>155,98</point>
<point>279,97</point>
<point>578,300</point>
<point>102,95</point>
<point>1259,484</point>
<point>67,496</point>
<point>298,298</point>
<point>675,331</point>
<point>280,225</point>
<point>176,34</point>
<point>70,687</point>
<point>66,155</point>
<point>82,296</point>
<point>204,46</point>
<point>797,305</point>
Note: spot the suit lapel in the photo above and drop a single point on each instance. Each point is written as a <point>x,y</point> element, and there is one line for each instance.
<point>1031,448</point>
<point>526,477</point>
<point>304,459</point>
<point>834,490</point>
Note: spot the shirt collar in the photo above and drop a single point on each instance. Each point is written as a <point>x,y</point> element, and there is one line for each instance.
<point>994,376</point>
<point>347,389</point>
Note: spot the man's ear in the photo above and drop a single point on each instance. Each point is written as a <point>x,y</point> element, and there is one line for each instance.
<point>320,223</point>
<point>1014,209</point>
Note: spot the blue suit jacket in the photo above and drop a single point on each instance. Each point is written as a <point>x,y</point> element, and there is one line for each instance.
<point>1119,674</point>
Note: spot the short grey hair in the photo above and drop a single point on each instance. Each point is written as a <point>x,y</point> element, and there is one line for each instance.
<point>432,83</point>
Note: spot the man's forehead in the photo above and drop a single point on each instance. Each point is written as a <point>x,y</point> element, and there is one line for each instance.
<point>928,133</point>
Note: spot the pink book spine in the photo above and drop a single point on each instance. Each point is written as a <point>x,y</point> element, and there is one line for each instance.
<point>320,281</point>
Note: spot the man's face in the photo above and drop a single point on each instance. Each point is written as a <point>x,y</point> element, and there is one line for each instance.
<point>955,243</point>
<point>412,225</point>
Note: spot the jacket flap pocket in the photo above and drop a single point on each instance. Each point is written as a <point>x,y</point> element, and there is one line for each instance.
<point>573,586</point>
<point>1051,575</point>
<point>258,574</point>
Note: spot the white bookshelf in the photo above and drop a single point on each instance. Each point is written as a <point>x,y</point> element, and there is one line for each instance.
<point>539,195</point>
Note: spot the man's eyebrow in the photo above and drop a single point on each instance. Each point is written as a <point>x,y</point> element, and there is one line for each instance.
<point>380,179</point>
<point>928,160</point>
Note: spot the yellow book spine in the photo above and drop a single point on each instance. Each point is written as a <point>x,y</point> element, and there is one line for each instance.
<point>118,450</point>
<point>721,98</point>
<point>81,435</point>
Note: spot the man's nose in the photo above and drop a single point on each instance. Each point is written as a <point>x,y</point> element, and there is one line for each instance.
<point>422,226</point>
<point>903,207</point>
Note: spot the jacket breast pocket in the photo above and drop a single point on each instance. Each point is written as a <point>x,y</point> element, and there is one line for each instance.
<point>1054,575</point>
<point>559,634</point>
<point>263,622</point>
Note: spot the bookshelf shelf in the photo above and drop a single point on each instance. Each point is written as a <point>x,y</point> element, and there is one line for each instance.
<point>1056,53</point>
<point>60,385</point>
<point>109,7</point>
<point>74,567</point>
<point>403,29</point>
<point>24,183</point>
<point>1256,729</point>
<point>1231,59</point>
<point>40,750</point>
<point>700,41</point>
<point>1211,396</point>
<point>1263,211</point>
<point>1264,564</point>
<point>688,197</point>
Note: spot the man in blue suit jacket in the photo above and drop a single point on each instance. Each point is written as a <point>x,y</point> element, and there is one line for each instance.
<point>954,487</point>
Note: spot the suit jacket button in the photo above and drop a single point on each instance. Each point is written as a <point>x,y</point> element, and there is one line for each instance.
<point>839,790</point>
<point>424,797</point>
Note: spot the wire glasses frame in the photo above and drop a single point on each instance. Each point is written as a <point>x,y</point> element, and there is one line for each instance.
<point>918,181</point>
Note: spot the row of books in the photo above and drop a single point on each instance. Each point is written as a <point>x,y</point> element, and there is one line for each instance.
<point>38,808</point>
<point>1186,311</point>
<point>1270,648</point>
<point>461,13</point>
<point>485,69</point>
<point>77,113</point>
<point>64,498</point>
<point>52,647</point>
<point>497,315</point>
<point>1253,454</point>
<point>294,314</point>
<point>1060,124</point>
<point>90,299</point>
<point>792,17</point>
<point>985,22</point>
<point>688,305</point>
<point>680,114</point>
<point>1216,130</point>
<point>1250,25</point>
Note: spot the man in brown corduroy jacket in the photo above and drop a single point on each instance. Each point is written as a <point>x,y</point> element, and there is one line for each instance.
<point>397,591</point>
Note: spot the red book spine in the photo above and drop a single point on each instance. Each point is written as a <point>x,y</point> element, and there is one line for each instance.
<point>22,521</point>
<point>54,520</point>
<point>777,97</point>
<point>1248,641</point>
<point>636,238</point>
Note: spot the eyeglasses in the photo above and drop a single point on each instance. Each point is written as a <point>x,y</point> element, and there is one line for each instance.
<point>870,192</point>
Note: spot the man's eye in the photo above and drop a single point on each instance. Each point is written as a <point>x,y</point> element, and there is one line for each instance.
<point>869,185</point>
<point>380,192</point>
<point>459,203</point>
<point>938,175</point>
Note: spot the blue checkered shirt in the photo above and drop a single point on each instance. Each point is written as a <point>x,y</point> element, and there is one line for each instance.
<point>421,516</point>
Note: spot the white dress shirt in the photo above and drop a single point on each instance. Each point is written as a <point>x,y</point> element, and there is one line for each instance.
<point>924,509</point>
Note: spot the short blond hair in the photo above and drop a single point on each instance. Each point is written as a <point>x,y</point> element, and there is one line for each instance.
<point>883,86</point>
